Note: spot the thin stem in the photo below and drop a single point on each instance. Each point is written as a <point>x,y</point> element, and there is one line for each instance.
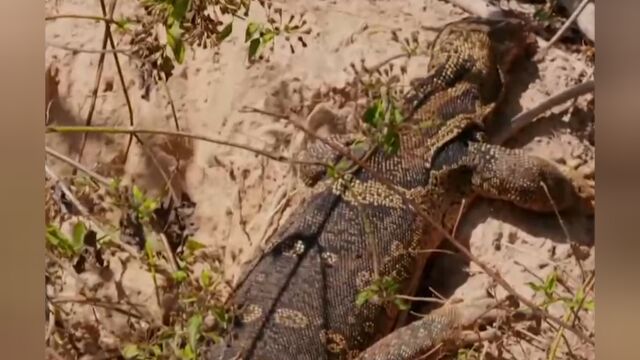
<point>96,87</point>
<point>103,180</point>
<point>562,30</point>
<point>89,51</point>
<point>87,17</point>
<point>83,210</point>
<point>174,113</point>
<point>527,117</point>
<point>115,130</point>
<point>103,7</point>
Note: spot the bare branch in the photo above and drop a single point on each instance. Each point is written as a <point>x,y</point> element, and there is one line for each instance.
<point>116,130</point>
<point>126,51</point>
<point>112,43</point>
<point>103,180</point>
<point>543,52</point>
<point>87,17</point>
<point>83,210</point>
<point>96,86</point>
<point>525,118</point>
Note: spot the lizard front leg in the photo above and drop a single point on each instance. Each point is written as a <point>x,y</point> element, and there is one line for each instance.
<point>529,182</point>
<point>416,339</point>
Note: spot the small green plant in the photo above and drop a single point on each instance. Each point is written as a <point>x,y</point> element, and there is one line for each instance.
<point>337,171</point>
<point>206,24</point>
<point>382,290</point>
<point>573,304</point>
<point>546,14</point>
<point>67,247</point>
<point>260,36</point>
<point>467,354</point>
<point>548,288</point>
<point>580,301</point>
<point>143,205</point>
<point>384,117</point>
<point>196,318</point>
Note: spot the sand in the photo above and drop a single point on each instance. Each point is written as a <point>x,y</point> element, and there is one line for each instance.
<point>240,196</point>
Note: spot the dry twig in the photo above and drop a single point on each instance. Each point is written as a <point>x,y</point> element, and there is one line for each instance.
<point>543,52</point>
<point>126,51</point>
<point>101,179</point>
<point>85,17</point>
<point>116,130</point>
<point>525,118</point>
<point>96,86</point>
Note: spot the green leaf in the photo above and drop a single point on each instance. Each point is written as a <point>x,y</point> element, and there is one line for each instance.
<point>251,30</point>
<point>343,165</point>
<point>370,115</point>
<point>180,8</point>
<point>123,24</point>
<point>364,297</point>
<point>535,287</point>
<point>174,40</point>
<point>79,232</point>
<point>193,245</point>
<point>156,350</point>
<point>374,114</point>
<point>114,184</point>
<point>150,247</point>
<point>552,281</point>
<point>221,316</point>
<point>188,353</point>
<point>332,172</point>
<point>193,329</point>
<point>131,351</point>
<point>542,15</point>
<point>55,236</point>
<point>180,276</point>
<point>138,196</point>
<point>189,300</point>
<point>396,117</point>
<point>205,278</point>
<point>226,31</point>
<point>402,304</point>
<point>392,142</point>
<point>267,37</point>
<point>213,336</point>
<point>390,285</point>
<point>60,241</point>
<point>254,46</point>
<point>148,206</point>
<point>589,305</point>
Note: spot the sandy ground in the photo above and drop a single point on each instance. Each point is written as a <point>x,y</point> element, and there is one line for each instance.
<point>240,195</point>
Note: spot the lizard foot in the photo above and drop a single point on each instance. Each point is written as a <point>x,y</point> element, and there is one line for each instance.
<point>584,187</point>
<point>470,311</point>
<point>421,336</point>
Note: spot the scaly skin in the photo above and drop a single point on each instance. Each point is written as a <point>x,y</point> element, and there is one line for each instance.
<point>469,66</point>
<point>298,301</point>
<point>439,326</point>
<point>476,54</point>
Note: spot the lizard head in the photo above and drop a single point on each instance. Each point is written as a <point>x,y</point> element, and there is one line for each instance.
<point>512,39</point>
